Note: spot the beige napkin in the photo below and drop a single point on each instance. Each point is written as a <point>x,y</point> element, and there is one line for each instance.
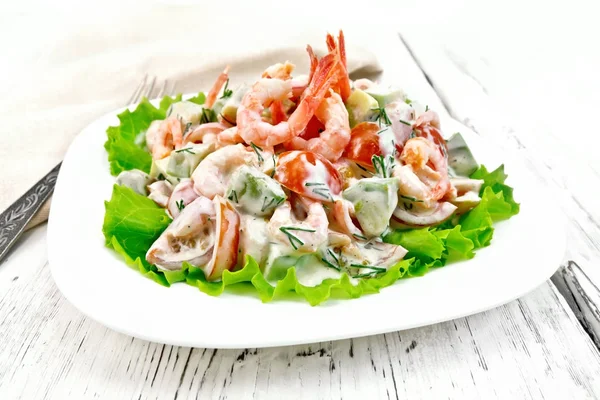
<point>86,64</point>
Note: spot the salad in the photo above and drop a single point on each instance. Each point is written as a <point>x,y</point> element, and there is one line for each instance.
<point>314,184</point>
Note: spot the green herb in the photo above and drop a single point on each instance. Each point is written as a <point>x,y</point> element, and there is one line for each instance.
<point>426,108</point>
<point>382,116</point>
<point>405,122</point>
<point>323,192</point>
<point>266,205</point>
<point>169,111</point>
<point>413,199</point>
<point>274,166</point>
<point>294,240</point>
<point>161,177</point>
<point>383,165</point>
<point>207,116</point>
<point>226,91</point>
<point>379,269</point>
<point>413,134</point>
<point>314,184</point>
<point>187,128</point>
<point>233,196</point>
<point>408,101</point>
<point>382,130</point>
<point>330,265</point>
<point>186,150</point>
<point>180,205</point>
<point>257,150</point>
<point>407,206</point>
<point>359,236</point>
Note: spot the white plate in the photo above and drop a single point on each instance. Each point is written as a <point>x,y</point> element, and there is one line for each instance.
<point>525,251</point>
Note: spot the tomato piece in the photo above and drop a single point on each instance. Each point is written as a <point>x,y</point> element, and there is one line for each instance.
<point>227,239</point>
<point>313,129</point>
<point>364,144</point>
<point>309,174</point>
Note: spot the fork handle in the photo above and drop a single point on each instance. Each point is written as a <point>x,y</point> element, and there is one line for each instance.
<point>16,217</point>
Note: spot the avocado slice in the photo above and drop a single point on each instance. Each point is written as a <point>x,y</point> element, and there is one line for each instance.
<point>255,192</point>
<point>228,107</point>
<point>374,200</point>
<point>186,111</point>
<point>386,95</point>
<point>460,159</point>
<point>181,163</point>
<point>361,107</point>
<point>135,180</point>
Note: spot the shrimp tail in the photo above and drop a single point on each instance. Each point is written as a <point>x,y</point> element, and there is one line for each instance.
<point>214,91</point>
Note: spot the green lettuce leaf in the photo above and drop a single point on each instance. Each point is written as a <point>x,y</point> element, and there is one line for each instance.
<point>133,222</point>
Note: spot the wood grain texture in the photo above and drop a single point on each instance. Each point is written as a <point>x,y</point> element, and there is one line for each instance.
<point>531,348</point>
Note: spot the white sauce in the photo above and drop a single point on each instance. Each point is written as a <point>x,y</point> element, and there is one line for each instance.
<point>313,273</point>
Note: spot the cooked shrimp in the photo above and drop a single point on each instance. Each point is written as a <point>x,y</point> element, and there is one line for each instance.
<point>251,126</point>
<point>304,236</point>
<point>428,126</point>
<point>279,71</point>
<point>168,137</point>
<point>214,91</point>
<point>336,136</point>
<point>419,153</point>
<point>343,213</point>
<point>198,135</point>
<point>342,85</point>
<point>190,237</point>
<point>228,137</point>
<point>160,192</point>
<point>183,194</point>
<point>212,175</point>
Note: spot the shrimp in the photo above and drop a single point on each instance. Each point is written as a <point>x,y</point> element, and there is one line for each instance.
<point>342,85</point>
<point>182,195</point>
<point>419,153</point>
<point>166,138</point>
<point>336,136</point>
<point>212,175</point>
<point>428,126</point>
<point>228,137</point>
<point>304,236</point>
<point>199,134</point>
<point>343,213</point>
<point>190,237</point>
<point>251,126</point>
<point>279,71</point>
<point>214,91</point>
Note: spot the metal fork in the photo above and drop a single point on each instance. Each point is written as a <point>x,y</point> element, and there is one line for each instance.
<point>14,220</point>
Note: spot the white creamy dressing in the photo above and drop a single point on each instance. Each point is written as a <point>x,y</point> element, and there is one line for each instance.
<point>253,239</point>
<point>387,141</point>
<point>313,272</point>
<point>317,180</point>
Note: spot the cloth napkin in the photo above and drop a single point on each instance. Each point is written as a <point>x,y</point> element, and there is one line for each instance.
<point>84,62</point>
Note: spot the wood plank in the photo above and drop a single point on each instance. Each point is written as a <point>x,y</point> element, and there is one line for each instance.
<point>529,348</point>
<point>567,172</point>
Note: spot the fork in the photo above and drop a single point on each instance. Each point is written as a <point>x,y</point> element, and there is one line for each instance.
<point>14,220</point>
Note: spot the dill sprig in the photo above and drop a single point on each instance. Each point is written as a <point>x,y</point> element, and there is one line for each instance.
<point>185,150</point>
<point>233,196</point>
<point>180,205</point>
<point>257,150</point>
<point>356,235</point>
<point>405,122</point>
<point>294,240</point>
<point>226,91</point>
<point>381,116</point>
<point>383,165</point>
<point>413,199</point>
